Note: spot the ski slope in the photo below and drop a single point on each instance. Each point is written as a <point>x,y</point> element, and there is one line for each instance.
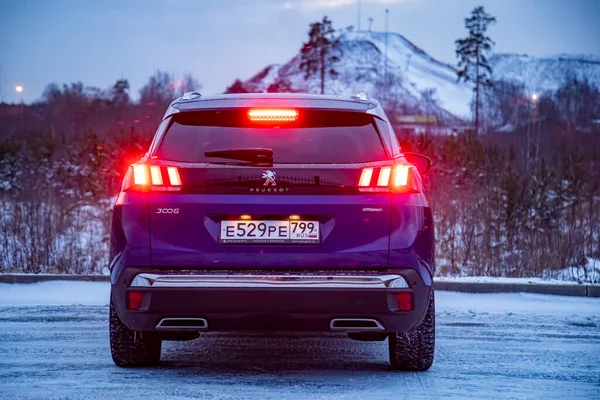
<point>411,71</point>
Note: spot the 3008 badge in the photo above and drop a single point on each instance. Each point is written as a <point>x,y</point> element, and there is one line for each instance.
<point>167,210</point>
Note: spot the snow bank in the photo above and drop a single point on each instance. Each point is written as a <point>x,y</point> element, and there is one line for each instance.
<point>521,303</point>
<point>495,279</point>
<point>55,293</point>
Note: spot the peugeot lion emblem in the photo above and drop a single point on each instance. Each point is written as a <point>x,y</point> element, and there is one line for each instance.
<point>269,177</point>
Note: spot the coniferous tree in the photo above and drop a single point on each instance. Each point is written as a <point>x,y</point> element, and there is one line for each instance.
<point>472,54</point>
<point>321,52</point>
<point>281,85</point>
<point>120,92</point>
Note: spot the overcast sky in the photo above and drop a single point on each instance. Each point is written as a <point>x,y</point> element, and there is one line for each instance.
<point>98,42</point>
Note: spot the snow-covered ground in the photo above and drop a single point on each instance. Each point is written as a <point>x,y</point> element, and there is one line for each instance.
<point>499,279</point>
<point>55,293</point>
<point>54,345</point>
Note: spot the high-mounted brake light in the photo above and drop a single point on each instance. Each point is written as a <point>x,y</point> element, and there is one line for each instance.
<point>272,115</point>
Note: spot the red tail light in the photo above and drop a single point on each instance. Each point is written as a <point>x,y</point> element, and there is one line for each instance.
<point>365,177</point>
<point>401,178</point>
<point>155,175</point>
<point>174,178</point>
<point>141,177</point>
<point>140,174</point>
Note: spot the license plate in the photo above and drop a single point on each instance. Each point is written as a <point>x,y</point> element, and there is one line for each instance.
<point>296,232</point>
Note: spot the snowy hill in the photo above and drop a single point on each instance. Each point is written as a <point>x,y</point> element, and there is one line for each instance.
<point>547,73</point>
<point>413,71</point>
<point>361,69</point>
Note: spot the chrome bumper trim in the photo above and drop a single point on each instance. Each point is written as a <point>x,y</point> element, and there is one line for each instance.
<point>265,281</point>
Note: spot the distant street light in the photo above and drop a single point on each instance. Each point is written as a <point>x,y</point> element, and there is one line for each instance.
<point>534,97</point>
<point>19,89</point>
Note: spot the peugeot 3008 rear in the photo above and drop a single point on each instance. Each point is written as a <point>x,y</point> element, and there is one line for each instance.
<point>273,212</point>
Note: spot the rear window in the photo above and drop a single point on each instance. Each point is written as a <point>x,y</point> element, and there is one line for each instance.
<point>315,137</point>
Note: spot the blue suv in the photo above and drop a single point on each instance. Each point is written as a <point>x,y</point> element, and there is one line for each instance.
<point>273,212</point>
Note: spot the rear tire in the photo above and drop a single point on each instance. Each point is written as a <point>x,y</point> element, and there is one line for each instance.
<point>129,348</point>
<point>414,351</point>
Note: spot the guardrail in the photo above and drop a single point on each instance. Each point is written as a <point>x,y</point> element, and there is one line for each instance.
<point>581,290</point>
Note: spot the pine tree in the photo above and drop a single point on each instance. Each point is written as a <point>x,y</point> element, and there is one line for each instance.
<point>321,52</point>
<point>120,92</point>
<point>281,85</point>
<point>472,53</point>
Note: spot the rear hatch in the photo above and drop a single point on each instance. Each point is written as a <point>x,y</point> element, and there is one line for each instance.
<point>273,189</point>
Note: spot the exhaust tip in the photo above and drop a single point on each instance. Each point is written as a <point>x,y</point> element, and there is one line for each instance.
<point>355,324</point>
<point>182,324</point>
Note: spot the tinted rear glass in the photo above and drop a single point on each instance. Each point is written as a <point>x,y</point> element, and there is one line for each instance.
<point>315,137</point>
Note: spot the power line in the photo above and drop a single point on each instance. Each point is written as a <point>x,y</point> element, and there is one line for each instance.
<point>358,16</point>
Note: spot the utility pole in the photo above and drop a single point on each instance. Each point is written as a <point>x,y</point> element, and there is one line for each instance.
<point>19,90</point>
<point>358,17</point>
<point>385,62</point>
<point>370,19</point>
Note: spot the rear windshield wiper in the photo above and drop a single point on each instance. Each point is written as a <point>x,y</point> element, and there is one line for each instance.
<point>250,155</point>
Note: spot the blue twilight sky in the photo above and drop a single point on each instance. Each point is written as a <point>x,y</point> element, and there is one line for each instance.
<point>98,42</point>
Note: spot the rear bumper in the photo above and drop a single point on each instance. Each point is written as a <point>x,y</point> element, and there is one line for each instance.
<point>238,301</point>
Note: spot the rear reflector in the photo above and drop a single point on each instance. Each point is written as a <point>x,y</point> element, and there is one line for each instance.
<point>404,301</point>
<point>134,300</point>
<point>272,115</point>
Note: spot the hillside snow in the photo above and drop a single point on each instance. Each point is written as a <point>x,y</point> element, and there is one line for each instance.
<point>412,72</point>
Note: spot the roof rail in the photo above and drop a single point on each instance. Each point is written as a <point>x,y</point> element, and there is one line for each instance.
<point>361,96</point>
<point>188,95</point>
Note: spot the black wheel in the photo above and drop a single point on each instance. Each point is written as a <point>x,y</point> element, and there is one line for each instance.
<point>413,351</point>
<point>130,348</point>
